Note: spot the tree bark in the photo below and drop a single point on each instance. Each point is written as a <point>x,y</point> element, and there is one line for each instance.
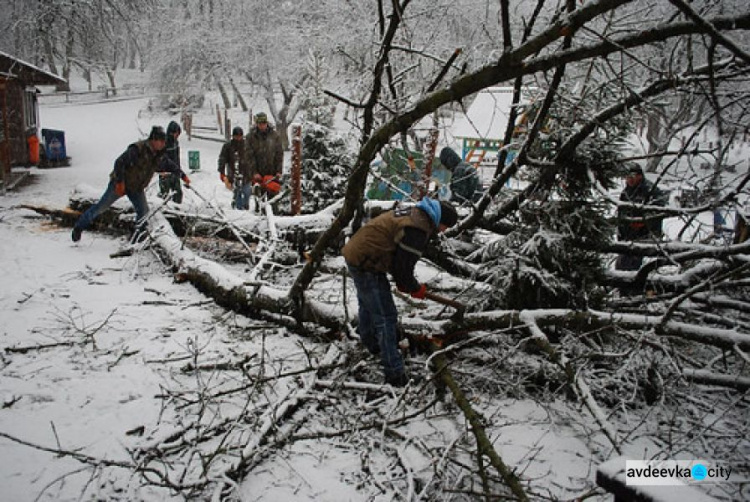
<point>738,383</point>
<point>484,444</point>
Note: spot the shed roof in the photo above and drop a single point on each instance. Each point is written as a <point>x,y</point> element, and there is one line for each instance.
<point>12,67</point>
<point>487,117</point>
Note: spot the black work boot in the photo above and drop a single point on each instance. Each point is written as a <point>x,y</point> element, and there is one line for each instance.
<point>76,234</point>
<point>397,381</point>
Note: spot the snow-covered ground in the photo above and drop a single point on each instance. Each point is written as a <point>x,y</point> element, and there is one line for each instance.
<point>91,385</point>
<point>107,333</point>
<point>95,351</point>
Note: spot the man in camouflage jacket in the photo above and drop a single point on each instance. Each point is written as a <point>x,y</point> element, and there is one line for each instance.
<point>265,155</point>
<point>131,175</point>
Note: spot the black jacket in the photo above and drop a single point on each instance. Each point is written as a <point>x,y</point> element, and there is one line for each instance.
<point>646,194</point>
<point>172,150</point>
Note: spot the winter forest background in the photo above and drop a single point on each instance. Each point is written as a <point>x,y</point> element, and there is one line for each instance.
<point>553,369</point>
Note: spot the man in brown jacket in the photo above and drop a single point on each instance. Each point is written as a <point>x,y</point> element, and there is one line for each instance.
<point>391,243</point>
<point>131,175</point>
<point>264,154</point>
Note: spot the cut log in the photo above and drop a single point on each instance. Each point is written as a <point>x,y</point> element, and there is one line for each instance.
<point>706,377</point>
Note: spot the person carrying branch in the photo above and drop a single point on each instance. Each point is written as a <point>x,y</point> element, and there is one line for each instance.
<point>265,156</point>
<point>234,170</point>
<point>132,173</point>
<point>391,243</point>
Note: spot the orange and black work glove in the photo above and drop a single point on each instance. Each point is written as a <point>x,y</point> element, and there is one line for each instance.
<point>271,184</point>
<point>419,294</point>
<point>120,188</point>
<point>222,177</point>
<point>186,180</point>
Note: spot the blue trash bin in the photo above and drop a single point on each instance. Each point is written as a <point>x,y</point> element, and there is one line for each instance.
<point>54,145</point>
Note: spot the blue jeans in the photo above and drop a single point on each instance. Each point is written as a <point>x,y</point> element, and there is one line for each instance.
<point>242,197</point>
<point>378,319</point>
<point>138,199</point>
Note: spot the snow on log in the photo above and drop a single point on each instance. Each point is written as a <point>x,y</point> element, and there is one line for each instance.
<point>206,217</point>
<point>228,289</point>
<point>706,377</point>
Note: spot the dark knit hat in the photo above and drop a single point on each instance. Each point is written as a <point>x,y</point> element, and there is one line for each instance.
<point>157,132</point>
<point>449,158</point>
<point>448,215</point>
<point>173,127</point>
<point>635,169</point>
<point>237,131</point>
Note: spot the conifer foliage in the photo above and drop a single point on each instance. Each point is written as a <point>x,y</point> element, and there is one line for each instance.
<point>325,166</point>
<point>564,217</point>
<point>326,158</point>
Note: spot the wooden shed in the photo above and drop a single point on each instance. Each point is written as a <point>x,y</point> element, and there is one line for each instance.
<point>19,112</point>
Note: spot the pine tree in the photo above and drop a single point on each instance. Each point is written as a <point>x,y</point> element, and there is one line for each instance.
<point>550,260</point>
<point>326,159</point>
<point>317,105</point>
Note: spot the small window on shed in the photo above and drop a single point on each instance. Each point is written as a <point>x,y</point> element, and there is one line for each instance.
<point>30,108</point>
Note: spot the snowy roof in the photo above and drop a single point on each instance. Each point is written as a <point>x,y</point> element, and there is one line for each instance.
<point>13,67</point>
<point>487,116</point>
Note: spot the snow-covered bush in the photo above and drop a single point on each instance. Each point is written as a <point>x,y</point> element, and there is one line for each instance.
<point>543,264</point>
<point>326,161</point>
<point>550,261</point>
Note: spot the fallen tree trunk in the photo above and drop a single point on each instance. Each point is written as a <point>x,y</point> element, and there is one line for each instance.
<point>301,229</point>
<point>484,445</point>
<point>708,378</point>
<point>232,293</point>
<point>588,320</point>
